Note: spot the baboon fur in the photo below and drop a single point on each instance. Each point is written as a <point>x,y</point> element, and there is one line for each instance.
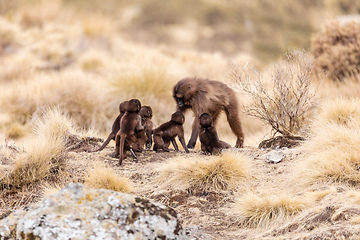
<point>212,97</point>
<point>146,115</point>
<point>168,131</point>
<point>129,123</point>
<point>208,136</point>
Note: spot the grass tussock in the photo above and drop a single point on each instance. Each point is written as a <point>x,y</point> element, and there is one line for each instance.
<point>93,60</point>
<point>43,158</point>
<point>82,101</point>
<point>9,36</point>
<point>333,150</point>
<point>54,125</point>
<point>264,211</point>
<point>143,81</point>
<point>103,177</point>
<point>216,173</point>
<point>44,153</point>
<point>340,112</point>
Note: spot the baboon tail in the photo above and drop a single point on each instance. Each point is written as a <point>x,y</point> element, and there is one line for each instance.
<point>110,137</point>
<point>122,144</point>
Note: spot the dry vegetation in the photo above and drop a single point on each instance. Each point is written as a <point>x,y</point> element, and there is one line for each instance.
<point>65,69</point>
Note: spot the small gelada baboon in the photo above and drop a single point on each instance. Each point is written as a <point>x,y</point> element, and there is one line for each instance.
<point>146,115</point>
<point>208,136</point>
<point>167,132</point>
<point>129,124</point>
<point>212,97</point>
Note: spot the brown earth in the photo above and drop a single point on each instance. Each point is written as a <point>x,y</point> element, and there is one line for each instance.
<point>211,215</point>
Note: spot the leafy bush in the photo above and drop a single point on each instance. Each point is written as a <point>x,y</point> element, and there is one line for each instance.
<point>337,49</point>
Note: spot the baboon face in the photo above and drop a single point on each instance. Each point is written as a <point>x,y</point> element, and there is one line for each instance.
<point>123,106</point>
<point>183,93</point>
<point>146,112</point>
<point>133,105</point>
<point>178,117</point>
<point>206,120</point>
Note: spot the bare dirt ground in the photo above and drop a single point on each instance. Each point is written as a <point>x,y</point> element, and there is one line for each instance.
<point>211,215</point>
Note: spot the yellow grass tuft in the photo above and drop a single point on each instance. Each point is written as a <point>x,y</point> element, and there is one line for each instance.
<point>319,195</point>
<point>263,211</point>
<point>93,60</point>
<point>353,196</point>
<point>75,93</point>
<point>97,25</point>
<point>342,112</point>
<point>43,157</point>
<point>335,146</point>
<point>16,130</point>
<point>355,220</point>
<point>215,173</point>
<point>9,36</point>
<point>50,188</point>
<point>45,151</point>
<point>54,125</point>
<point>103,177</point>
<point>147,81</point>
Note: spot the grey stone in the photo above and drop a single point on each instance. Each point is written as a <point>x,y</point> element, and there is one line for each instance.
<point>76,212</point>
<point>275,157</point>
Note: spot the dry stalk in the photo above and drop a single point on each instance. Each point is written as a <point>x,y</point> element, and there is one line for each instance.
<point>284,97</point>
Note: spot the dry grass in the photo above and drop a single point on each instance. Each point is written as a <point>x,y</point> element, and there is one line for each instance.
<point>333,150</point>
<point>203,174</point>
<point>45,151</point>
<point>284,98</point>
<point>43,157</point>
<point>265,210</point>
<point>54,125</point>
<point>104,177</point>
<point>340,112</point>
<point>59,60</point>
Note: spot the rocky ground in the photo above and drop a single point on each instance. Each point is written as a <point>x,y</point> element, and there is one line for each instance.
<point>211,215</point>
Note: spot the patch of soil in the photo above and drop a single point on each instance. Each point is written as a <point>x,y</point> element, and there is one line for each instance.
<point>212,215</point>
<point>281,142</point>
<point>76,143</point>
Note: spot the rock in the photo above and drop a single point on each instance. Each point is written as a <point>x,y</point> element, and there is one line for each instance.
<point>275,157</point>
<point>76,212</point>
<point>281,142</point>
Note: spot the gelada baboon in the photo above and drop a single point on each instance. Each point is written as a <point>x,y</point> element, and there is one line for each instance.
<point>202,95</point>
<point>115,127</point>
<point>129,123</point>
<point>168,131</point>
<point>208,137</point>
<point>146,115</point>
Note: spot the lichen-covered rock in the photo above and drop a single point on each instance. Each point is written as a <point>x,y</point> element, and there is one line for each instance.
<point>76,212</point>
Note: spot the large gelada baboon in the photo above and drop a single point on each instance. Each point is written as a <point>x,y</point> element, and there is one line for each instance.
<point>129,124</point>
<point>202,95</point>
<point>208,136</point>
<point>167,132</point>
<point>115,127</point>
